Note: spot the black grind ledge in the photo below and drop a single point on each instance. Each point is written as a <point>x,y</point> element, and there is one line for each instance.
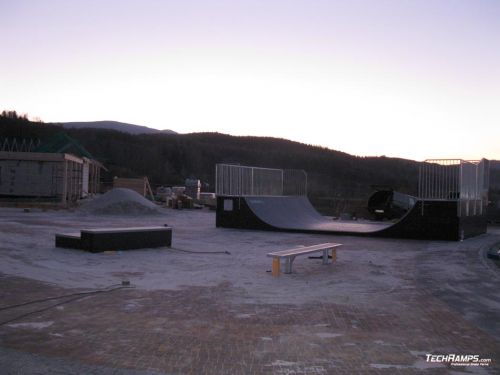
<point>104,239</point>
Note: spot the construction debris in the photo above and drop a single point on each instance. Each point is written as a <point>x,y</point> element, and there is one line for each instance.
<point>121,201</point>
<point>140,185</point>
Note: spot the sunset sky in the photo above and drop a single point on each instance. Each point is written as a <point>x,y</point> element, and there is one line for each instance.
<point>408,78</point>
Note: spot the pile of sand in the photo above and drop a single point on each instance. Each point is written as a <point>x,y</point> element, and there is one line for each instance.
<point>120,201</point>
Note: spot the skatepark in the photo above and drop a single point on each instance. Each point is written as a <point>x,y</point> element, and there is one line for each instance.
<point>450,206</point>
<point>210,305</point>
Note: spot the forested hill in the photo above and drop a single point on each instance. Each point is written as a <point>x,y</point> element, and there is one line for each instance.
<point>167,159</point>
<point>170,158</point>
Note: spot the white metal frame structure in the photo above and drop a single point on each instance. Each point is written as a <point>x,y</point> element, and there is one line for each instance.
<point>465,181</point>
<point>239,180</point>
<point>23,145</point>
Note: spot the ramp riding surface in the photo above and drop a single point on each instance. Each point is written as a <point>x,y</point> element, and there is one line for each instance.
<point>297,213</point>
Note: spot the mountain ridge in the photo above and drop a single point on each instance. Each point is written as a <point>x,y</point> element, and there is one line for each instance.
<point>114,125</point>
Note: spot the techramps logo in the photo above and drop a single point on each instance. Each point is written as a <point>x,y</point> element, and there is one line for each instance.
<point>459,360</point>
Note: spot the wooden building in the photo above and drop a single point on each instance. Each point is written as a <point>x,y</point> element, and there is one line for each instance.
<point>50,176</point>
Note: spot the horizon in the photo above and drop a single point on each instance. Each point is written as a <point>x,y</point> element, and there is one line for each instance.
<point>412,80</point>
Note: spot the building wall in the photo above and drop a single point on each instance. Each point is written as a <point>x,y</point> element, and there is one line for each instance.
<point>94,178</point>
<point>74,177</point>
<point>48,175</point>
<point>85,179</point>
<point>31,178</point>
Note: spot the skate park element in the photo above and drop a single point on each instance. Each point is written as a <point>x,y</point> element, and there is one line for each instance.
<point>103,239</point>
<point>450,204</point>
<point>386,203</point>
<point>291,254</point>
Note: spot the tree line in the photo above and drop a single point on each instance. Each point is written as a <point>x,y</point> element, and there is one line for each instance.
<point>168,159</point>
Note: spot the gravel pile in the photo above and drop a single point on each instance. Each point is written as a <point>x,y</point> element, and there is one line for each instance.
<point>120,201</point>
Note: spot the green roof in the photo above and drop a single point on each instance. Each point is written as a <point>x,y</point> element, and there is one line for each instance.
<point>63,143</point>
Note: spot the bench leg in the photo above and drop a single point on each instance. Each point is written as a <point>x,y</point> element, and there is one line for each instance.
<point>276,267</point>
<point>288,264</point>
<point>325,256</point>
<point>334,255</point>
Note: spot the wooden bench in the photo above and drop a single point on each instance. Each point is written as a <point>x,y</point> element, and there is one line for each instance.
<point>289,255</point>
<point>102,239</point>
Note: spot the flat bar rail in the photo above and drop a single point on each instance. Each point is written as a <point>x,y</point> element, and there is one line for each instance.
<point>290,254</point>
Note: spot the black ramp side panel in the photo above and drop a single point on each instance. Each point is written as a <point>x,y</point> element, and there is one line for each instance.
<point>238,215</point>
<point>431,220</point>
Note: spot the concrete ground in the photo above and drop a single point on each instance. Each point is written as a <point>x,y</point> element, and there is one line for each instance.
<point>209,305</point>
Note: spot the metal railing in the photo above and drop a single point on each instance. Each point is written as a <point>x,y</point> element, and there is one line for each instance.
<point>238,180</point>
<point>465,181</point>
<point>439,179</point>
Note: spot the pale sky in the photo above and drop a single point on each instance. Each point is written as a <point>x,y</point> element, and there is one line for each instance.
<point>406,78</point>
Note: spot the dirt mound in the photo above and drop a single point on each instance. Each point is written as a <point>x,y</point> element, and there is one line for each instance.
<point>120,201</point>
